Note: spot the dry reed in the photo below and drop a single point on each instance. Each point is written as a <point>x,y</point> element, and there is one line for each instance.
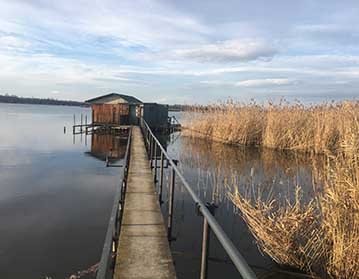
<point>281,126</point>
<point>289,233</point>
<point>321,235</point>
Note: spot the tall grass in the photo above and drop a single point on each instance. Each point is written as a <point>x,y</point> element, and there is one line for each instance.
<point>319,236</point>
<point>317,128</point>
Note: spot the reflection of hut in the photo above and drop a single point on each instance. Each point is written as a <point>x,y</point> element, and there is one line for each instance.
<point>114,108</point>
<point>107,145</point>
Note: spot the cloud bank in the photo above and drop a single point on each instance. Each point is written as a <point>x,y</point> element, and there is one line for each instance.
<point>179,51</point>
<point>229,51</point>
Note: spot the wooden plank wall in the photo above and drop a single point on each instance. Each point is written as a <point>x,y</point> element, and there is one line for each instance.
<point>109,113</point>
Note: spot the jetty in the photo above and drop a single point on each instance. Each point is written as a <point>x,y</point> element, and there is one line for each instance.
<point>137,240</point>
<point>143,250</point>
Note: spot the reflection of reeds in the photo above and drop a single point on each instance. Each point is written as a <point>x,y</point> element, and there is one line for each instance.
<point>322,234</point>
<point>319,236</point>
<point>289,233</point>
<point>271,168</point>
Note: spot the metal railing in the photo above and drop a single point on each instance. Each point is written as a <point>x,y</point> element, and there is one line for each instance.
<point>108,256</point>
<point>209,222</point>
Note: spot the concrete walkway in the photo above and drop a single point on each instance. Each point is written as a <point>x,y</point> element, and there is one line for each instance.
<point>143,250</point>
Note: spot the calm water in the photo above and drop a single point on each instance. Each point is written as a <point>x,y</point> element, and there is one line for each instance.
<point>55,199</point>
<point>209,168</point>
<point>56,195</point>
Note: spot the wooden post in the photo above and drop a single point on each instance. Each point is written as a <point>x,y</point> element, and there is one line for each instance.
<point>73,127</point>
<point>86,124</point>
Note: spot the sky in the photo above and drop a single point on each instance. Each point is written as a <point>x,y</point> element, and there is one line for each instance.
<point>180,51</point>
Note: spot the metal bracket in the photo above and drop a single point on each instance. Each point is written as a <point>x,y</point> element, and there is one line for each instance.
<point>210,206</point>
<point>197,209</point>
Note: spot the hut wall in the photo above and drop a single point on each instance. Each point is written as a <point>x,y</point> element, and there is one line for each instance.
<point>155,115</point>
<point>110,113</point>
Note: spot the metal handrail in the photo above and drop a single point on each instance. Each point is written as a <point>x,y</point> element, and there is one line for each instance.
<point>108,256</point>
<point>238,260</point>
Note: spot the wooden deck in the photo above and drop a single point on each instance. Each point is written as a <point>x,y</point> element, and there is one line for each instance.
<point>143,250</point>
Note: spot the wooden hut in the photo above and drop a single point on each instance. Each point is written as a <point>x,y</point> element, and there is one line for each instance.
<point>115,108</point>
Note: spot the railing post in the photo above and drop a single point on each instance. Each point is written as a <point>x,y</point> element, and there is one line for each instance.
<point>170,203</point>
<point>150,152</point>
<point>205,248</point>
<point>148,141</point>
<point>161,178</point>
<point>205,242</point>
<point>155,167</point>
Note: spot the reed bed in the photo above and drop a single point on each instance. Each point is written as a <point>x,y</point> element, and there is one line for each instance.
<point>321,235</point>
<point>316,129</point>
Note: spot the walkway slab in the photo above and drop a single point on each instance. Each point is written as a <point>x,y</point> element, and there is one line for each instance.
<point>143,250</point>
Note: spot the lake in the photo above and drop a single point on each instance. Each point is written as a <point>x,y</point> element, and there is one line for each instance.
<point>56,194</point>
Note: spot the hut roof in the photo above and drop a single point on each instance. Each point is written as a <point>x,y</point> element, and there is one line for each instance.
<point>113,96</point>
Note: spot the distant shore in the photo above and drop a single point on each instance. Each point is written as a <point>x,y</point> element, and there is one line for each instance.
<point>13,99</point>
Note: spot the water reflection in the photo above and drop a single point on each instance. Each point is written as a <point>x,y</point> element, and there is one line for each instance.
<point>211,168</point>
<point>55,201</point>
<point>107,146</point>
<point>275,172</point>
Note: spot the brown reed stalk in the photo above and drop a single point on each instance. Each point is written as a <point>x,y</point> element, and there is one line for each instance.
<point>320,236</point>
<point>281,126</point>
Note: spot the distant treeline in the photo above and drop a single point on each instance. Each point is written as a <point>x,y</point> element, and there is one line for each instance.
<point>13,99</point>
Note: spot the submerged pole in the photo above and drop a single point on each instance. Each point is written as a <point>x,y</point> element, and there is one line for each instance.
<point>86,130</point>
<point>73,127</point>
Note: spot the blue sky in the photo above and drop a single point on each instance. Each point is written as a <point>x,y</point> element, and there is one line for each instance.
<point>180,51</point>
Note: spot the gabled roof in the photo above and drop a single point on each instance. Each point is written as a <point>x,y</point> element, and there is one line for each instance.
<point>114,96</point>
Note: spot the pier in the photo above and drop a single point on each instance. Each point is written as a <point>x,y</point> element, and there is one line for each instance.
<point>137,238</point>
<point>143,250</point>
<point>137,242</point>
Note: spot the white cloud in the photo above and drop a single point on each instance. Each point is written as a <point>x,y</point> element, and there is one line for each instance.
<point>12,43</point>
<point>147,23</point>
<point>265,82</point>
<point>229,51</point>
<point>251,82</point>
<point>159,46</point>
<point>344,35</point>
